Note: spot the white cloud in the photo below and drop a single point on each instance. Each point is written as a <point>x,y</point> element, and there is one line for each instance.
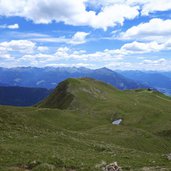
<point>27,53</point>
<point>154,62</point>
<point>151,6</point>
<point>68,11</point>
<point>154,30</point>
<point>21,46</point>
<point>13,26</point>
<point>4,56</point>
<point>145,6</point>
<point>153,65</point>
<point>153,36</point>
<point>78,38</point>
<point>112,15</point>
<point>64,56</point>
<point>142,48</point>
<point>74,12</point>
<point>139,47</point>
<point>159,64</point>
<point>134,48</point>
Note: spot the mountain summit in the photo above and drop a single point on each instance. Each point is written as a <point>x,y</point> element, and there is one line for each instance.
<point>78,93</point>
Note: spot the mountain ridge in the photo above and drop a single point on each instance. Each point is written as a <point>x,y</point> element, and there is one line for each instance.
<point>82,93</point>
<point>49,77</point>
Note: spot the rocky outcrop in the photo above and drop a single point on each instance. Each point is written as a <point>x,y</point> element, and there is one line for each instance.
<point>112,167</point>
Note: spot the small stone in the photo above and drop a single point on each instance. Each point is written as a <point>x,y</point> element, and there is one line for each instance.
<point>169,156</point>
<point>117,122</point>
<point>112,167</point>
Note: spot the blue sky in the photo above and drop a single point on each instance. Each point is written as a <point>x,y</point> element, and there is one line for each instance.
<point>118,34</point>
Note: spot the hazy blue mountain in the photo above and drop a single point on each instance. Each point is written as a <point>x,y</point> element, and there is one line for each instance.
<point>157,80</point>
<point>115,79</point>
<point>22,96</point>
<point>167,74</point>
<point>49,77</point>
<point>3,84</point>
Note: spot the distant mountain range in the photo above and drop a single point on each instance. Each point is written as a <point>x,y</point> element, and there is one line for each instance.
<point>167,74</point>
<point>158,80</point>
<point>49,77</point>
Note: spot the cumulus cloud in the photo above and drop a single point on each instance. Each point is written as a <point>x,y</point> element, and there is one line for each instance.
<point>13,26</point>
<point>30,53</point>
<point>142,48</point>
<point>64,56</point>
<point>151,6</point>
<point>139,47</point>
<point>158,64</point>
<point>78,38</point>
<point>74,12</point>
<point>112,15</point>
<point>146,7</point>
<point>68,11</point>
<point>21,46</point>
<point>154,30</point>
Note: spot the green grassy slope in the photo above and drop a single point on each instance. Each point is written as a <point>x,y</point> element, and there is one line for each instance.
<point>82,136</point>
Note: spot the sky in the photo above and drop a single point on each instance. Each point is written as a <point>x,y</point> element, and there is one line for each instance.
<point>117,34</point>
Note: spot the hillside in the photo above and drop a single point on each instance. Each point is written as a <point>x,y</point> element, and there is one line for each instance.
<point>81,136</point>
<point>22,96</point>
<point>143,107</point>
